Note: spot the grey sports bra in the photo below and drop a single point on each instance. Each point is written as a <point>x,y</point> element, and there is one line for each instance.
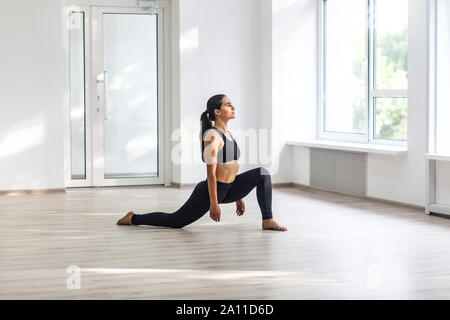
<point>229,152</point>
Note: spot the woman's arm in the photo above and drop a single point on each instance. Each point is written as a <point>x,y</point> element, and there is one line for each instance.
<point>212,183</point>
<point>210,156</point>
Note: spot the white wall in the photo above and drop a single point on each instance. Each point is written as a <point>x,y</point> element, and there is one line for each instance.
<point>443,101</point>
<point>294,84</point>
<point>443,76</point>
<point>219,53</point>
<point>265,69</point>
<point>31,95</point>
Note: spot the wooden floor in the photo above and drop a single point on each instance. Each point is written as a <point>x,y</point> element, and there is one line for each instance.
<point>337,247</point>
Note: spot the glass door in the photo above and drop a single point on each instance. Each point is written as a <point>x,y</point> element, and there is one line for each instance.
<point>116,115</point>
<point>128,139</point>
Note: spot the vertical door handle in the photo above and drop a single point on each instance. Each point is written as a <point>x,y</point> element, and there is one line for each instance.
<point>105,84</point>
<point>103,80</point>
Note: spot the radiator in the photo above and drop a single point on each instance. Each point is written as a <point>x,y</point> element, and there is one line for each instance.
<point>340,171</point>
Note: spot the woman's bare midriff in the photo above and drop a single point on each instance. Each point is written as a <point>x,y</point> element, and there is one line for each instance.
<point>226,172</point>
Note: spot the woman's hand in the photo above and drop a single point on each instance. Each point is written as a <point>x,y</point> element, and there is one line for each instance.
<point>240,207</point>
<point>214,212</point>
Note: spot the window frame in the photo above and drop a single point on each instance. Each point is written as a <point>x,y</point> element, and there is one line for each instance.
<point>371,92</point>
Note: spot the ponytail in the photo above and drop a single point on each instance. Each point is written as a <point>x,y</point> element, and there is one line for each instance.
<point>215,102</point>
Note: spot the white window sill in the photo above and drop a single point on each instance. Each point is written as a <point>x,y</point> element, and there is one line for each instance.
<point>350,146</point>
<point>435,156</point>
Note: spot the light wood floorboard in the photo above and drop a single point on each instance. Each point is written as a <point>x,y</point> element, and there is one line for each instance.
<point>337,247</point>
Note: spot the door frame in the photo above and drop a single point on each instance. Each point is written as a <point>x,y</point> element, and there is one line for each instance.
<point>91,67</point>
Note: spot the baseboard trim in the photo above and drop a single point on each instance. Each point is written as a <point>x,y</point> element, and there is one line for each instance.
<point>30,191</point>
<point>182,185</point>
<point>398,203</point>
<point>190,185</point>
<point>282,185</point>
<point>178,185</point>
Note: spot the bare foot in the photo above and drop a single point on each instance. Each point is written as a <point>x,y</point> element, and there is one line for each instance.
<point>270,224</point>
<point>126,220</point>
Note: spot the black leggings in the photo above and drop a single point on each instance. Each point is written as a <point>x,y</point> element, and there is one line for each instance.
<point>198,203</point>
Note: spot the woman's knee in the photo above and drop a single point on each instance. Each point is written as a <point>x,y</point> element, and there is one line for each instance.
<point>264,173</point>
<point>200,188</point>
<point>190,212</point>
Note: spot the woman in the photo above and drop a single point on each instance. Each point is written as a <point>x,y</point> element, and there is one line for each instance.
<point>222,185</point>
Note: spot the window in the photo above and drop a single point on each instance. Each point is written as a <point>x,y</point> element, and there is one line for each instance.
<point>364,71</point>
<point>77,95</point>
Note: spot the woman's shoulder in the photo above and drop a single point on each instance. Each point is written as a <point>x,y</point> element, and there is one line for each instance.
<point>211,132</point>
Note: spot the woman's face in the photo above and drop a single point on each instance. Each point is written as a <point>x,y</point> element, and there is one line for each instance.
<point>227,109</point>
